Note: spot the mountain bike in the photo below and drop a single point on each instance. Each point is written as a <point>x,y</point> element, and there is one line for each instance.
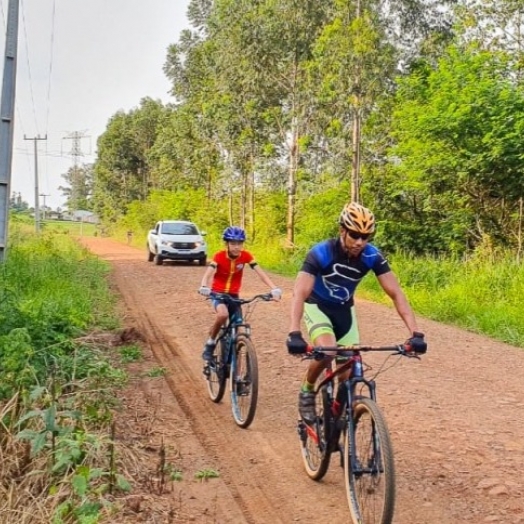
<point>235,358</point>
<point>350,422</point>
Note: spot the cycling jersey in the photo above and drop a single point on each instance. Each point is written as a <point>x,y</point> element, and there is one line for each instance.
<point>337,274</point>
<point>229,271</point>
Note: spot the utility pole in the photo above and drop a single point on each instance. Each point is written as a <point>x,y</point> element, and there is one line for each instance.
<point>7,109</point>
<point>37,206</point>
<point>44,208</point>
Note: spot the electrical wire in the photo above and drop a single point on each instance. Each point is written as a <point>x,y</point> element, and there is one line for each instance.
<point>29,66</point>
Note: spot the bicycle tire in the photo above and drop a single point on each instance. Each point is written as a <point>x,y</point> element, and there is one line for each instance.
<point>314,440</point>
<point>370,485</point>
<point>244,382</point>
<point>217,376</point>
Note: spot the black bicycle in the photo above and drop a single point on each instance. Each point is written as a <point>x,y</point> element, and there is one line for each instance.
<point>235,358</point>
<point>350,422</point>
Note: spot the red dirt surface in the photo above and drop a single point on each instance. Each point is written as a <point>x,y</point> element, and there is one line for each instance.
<point>456,418</point>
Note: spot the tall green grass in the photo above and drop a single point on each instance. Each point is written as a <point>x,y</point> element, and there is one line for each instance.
<point>51,291</point>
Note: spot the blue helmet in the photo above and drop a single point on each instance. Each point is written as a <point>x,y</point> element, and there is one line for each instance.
<point>234,233</point>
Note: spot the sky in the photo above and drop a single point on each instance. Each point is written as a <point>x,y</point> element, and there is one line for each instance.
<point>78,63</point>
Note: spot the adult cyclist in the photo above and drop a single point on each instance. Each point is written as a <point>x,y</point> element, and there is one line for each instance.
<point>224,275</point>
<point>324,291</point>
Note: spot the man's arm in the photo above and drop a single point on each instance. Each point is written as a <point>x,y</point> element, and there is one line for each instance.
<point>303,287</point>
<point>390,285</point>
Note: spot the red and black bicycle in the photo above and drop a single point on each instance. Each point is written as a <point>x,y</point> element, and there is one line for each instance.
<point>350,422</point>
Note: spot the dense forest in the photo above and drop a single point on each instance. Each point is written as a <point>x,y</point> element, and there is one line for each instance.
<point>285,109</point>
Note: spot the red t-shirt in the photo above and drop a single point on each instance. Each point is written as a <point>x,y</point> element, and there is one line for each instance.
<point>229,271</point>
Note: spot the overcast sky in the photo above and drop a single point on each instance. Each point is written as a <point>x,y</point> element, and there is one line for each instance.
<point>79,62</point>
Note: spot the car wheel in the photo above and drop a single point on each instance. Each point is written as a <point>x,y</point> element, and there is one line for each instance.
<point>158,259</point>
<point>203,261</point>
<point>150,256</point>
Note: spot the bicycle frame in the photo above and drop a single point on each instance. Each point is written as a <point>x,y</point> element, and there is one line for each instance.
<point>228,335</point>
<point>366,453</point>
<point>235,359</point>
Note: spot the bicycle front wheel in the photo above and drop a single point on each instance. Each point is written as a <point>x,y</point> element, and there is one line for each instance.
<point>217,373</point>
<point>369,468</point>
<point>244,382</point>
<point>315,438</point>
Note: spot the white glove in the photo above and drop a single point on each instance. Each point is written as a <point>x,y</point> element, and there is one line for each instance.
<point>276,293</point>
<point>204,291</point>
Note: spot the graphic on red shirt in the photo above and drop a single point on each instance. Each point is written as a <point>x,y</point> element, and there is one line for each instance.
<point>229,271</point>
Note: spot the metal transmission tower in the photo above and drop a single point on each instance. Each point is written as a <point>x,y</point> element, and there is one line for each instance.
<point>76,153</point>
<point>37,204</point>
<point>7,109</point>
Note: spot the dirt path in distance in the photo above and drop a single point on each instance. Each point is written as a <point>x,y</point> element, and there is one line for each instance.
<point>456,418</point>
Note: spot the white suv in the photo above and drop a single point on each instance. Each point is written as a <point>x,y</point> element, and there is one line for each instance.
<point>176,240</point>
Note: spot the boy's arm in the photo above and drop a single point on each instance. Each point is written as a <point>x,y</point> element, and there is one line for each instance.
<point>264,277</point>
<point>208,276</point>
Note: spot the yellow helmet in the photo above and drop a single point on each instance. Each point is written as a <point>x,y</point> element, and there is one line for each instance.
<point>357,218</point>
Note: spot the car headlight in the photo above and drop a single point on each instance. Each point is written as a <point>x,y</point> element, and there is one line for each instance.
<point>166,243</point>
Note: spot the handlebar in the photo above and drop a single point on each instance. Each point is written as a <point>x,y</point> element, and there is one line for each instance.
<point>267,297</point>
<point>319,352</point>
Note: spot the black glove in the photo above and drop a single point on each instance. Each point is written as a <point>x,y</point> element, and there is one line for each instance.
<point>296,345</point>
<point>417,343</point>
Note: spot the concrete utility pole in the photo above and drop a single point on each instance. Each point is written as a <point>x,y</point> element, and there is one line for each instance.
<point>37,206</point>
<point>7,109</point>
<point>44,207</point>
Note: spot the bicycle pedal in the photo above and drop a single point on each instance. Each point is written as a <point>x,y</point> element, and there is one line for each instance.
<point>206,371</point>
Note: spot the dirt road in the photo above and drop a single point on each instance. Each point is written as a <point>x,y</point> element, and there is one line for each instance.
<point>456,418</point>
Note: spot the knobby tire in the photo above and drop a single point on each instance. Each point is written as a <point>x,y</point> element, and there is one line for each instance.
<point>370,486</point>
<point>216,380</point>
<point>244,382</point>
<point>316,452</point>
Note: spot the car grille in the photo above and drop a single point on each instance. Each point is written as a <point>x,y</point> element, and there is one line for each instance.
<point>184,245</point>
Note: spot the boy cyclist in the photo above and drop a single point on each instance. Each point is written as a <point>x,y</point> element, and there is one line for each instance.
<point>224,275</point>
<point>323,295</point>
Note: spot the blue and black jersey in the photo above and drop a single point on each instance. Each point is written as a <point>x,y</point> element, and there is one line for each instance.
<point>336,274</point>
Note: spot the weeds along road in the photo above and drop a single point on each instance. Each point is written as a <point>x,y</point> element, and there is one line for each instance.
<point>456,418</point>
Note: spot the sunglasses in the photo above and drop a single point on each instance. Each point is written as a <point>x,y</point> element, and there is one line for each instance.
<point>355,235</point>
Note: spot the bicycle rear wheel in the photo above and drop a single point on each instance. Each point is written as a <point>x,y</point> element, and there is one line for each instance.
<point>217,374</point>
<point>244,382</point>
<point>314,439</point>
<point>369,468</point>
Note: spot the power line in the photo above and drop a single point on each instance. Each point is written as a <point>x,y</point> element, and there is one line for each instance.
<point>29,69</point>
<point>50,64</point>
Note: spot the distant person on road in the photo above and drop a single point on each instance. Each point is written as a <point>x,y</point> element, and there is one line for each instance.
<point>324,296</point>
<point>129,237</point>
<point>224,275</point>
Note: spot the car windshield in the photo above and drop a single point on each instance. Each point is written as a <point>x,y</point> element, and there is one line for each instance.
<point>179,229</point>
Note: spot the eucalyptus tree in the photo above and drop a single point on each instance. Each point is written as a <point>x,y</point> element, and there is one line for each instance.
<point>274,40</point>
<point>122,169</point>
<point>190,65</point>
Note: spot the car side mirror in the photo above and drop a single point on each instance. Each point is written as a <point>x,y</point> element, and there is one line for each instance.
<point>203,233</point>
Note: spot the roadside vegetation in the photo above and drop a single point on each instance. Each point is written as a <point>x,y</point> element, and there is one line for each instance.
<point>59,462</point>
